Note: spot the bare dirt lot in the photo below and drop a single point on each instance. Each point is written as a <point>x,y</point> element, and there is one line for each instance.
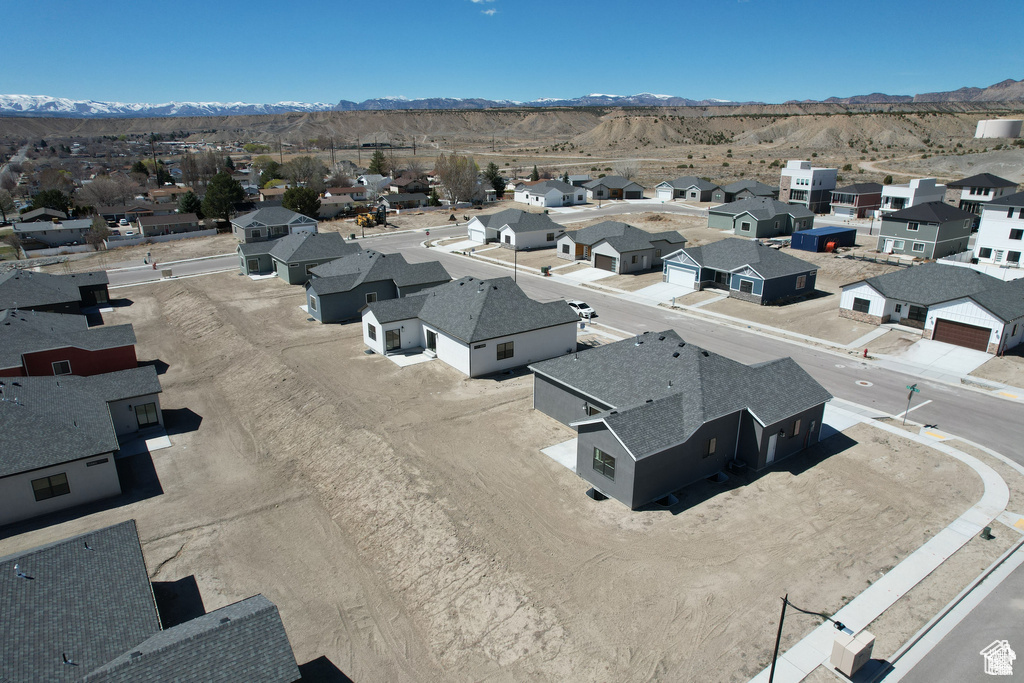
<point>1008,369</point>
<point>408,528</point>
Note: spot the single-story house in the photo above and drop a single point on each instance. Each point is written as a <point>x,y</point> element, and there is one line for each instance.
<point>579,180</point>
<point>393,202</point>
<point>761,217</point>
<point>408,185</point>
<point>34,344</point>
<point>331,207</point>
<point>951,304</point>
<point>515,229</point>
<point>687,188</point>
<point>271,222</point>
<point>168,193</point>
<point>169,224</point>
<point>272,193</point>
<point>550,193</point>
<point>293,257</point>
<point>29,290</point>
<point>855,201</point>
<point>928,231</point>
<point>476,326</point>
<point>618,247</point>
<point>614,187</point>
<point>356,192</point>
<point>89,606</point>
<point>45,235</point>
<point>655,414</point>
<point>744,189</point>
<point>338,290</point>
<point>747,269</point>
<point>59,435</point>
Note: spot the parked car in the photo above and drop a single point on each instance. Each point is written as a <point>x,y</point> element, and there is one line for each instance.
<point>582,309</point>
<point>129,233</point>
<point>123,221</point>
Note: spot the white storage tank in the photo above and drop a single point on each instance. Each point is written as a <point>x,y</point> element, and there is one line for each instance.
<point>998,128</point>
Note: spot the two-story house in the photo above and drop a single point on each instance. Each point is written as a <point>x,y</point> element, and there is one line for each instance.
<point>927,231</point>
<point>1000,238</point>
<point>807,185</point>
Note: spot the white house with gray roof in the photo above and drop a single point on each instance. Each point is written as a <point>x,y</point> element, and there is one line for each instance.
<point>760,217</point>
<point>1000,239</point>
<point>83,609</point>
<point>618,247</point>
<point>478,327</point>
<point>269,223</point>
<point>655,414</point>
<point>948,303</point>
<point>515,229</point>
<point>687,188</point>
<point>550,193</point>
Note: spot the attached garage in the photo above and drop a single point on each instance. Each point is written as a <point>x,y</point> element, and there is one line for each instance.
<point>962,334</point>
<point>681,276</point>
<point>665,194</point>
<point>606,262</point>
<point>633,194</point>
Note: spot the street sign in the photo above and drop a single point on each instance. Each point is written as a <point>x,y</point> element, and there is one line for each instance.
<point>913,389</point>
<point>910,395</point>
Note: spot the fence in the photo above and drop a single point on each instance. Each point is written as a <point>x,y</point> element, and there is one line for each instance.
<point>59,251</point>
<point>115,241</point>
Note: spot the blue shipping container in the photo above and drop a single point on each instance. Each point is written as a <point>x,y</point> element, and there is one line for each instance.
<point>816,239</point>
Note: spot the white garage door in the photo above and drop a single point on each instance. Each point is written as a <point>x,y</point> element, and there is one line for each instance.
<point>681,276</point>
<point>477,235</point>
<point>664,195</point>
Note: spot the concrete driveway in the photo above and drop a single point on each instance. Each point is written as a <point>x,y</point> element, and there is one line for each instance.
<point>943,357</point>
<point>587,274</point>
<point>663,291</point>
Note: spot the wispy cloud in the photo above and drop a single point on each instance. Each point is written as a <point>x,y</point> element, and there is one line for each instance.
<point>490,12</point>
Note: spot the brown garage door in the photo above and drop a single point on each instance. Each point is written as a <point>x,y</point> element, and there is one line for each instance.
<point>962,335</point>
<point>605,262</point>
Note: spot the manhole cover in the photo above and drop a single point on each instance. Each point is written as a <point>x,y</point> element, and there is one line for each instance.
<point>865,384</point>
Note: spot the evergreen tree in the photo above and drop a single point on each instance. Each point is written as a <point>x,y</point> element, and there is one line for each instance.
<point>51,199</point>
<point>140,167</point>
<point>565,177</point>
<point>535,176</point>
<point>433,199</point>
<point>378,163</point>
<point>229,164</point>
<point>189,203</point>
<point>221,194</point>
<point>302,200</point>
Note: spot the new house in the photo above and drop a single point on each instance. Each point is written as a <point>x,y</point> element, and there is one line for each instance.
<point>515,229</point>
<point>971,193</point>
<point>59,435</point>
<point>807,185</point>
<point>29,290</point>
<point>478,327</point>
<point>618,247</point>
<point>949,303</point>
<point>746,269</point>
<point>655,414</point>
<point>857,200</point>
<point>743,189</point>
<point>34,343</point>
<point>550,193</point>
<point>83,609</point>
<point>687,188</point>
<point>271,222</point>
<point>294,256</point>
<point>906,195</point>
<point>928,231</point>
<point>340,289</point>
<point>614,187</point>
<point>1000,239</point>
<point>760,217</point>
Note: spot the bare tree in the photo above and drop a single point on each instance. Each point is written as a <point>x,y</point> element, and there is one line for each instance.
<point>6,204</point>
<point>375,188</point>
<point>97,233</point>
<point>56,179</point>
<point>306,171</point>
<point>8,181</point>
<point>208,165</point>
<point>627,168</point>
<point>414,169</point>
<point>339,179</point>
<point>189,169</point>
<point>458,177</point>
<point>14,241</point>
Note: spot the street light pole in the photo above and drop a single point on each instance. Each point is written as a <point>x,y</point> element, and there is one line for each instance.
<point>840,626</point>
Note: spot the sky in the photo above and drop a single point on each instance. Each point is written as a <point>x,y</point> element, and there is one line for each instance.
<point>317,51</point>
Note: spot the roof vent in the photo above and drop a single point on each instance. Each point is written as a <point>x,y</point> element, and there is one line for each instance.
<point>225,620</point>
<point>137,653</point>
<point>704,353</point>
<point>650,400</point>
<point>681,344</point>
<point>675,355</point>
<point>661,338</point>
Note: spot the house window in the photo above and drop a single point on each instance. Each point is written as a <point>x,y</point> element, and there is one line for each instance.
<point>551,237</point>
<point>861,305</point>
<point>1009,212</point>
<point>312,303</point>
<point>1013,257</point>
<point>796,428</point>
<point>51,487</point>
<point>657,253</point>
<point>1016,234</point>
<point>146,415</point>
<point>565,248</point>
<point>918,247</point>
<point>801,281</point>
<point>710,446</point>
<point>985,252</point>
<point>899,244</point>
<point>310,266</point>
<point>371,297</point>
<point>634,259</point>
<point>61,367</point>
<point>371,332</point>
<point>912,227</point>
<point>604,463</point>
<point>392,340</point>
<point>917,313</point>
<point>746,286</point>
<point>899,308</point>
<point>745,227</point>
<point>506,350</point>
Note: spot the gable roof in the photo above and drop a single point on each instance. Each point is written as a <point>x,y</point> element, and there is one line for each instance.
<point>752,186</point>
<point>611,182</point>
<point>930,212</point>
<point>311,246</point>
<point>520,221</point>
<point>546,186</point>
<point>26,289</point>
<point>271,216</point>
<point>662,389</point>
<point>348,272</point>
<point>46,226</point>
<point>623,237</point>
<point>982,180</point>
<point>762,208</point>
<point>30,331</point>
<point>734,253</point>
<point>473,310</point>
<point>688,181</point>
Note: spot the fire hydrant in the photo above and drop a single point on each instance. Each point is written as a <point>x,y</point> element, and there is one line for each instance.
<point>865,353</point>
<point>154,265</point>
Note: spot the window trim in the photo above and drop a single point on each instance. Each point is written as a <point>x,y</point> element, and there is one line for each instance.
<point>312,303</point>
<point>151,419</point>
<point>371,331</point>
<point>859,304</point>
<point>55,363</point>
<point>371,297</point>
<point>710,446</point>
<point>801,281</point>
<point>914,247</point>
<point>52,489</point>
<point>603,463</point>
<point>505,350</point>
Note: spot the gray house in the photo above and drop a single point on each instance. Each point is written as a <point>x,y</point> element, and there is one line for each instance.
<point>747,269</point>
<point>744,189</point>
<point>687,188</point>
<point>48,234</point>
<point>618,247</point>
<point>928,231</point>
<point>269,223</point>
<point>760,217</point>
<point>614,187</point>
<point>29,290</point>
<point>655,414</point>
<point>339,290</point>
<point>294,256</point>
<point>85,611</point>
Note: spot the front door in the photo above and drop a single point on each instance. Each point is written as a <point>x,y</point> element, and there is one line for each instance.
<point>431,341</point>
<point>772,441</point>
<point>393,340</point>
<point>888,246</point>
<point>254,265</point>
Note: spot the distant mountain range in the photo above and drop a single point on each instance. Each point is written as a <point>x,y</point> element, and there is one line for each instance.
<point>42,105</point>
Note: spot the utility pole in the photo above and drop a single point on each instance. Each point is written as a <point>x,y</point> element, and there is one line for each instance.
<point>280,149</point>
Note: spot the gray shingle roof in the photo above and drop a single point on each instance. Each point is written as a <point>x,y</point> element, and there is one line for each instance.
<point>753,186</point>
<point>49,420</point>
<point>611,182</point>
<point>548,185</point>
<point>45,226</point>
<point>734,253</point>
<point>28,289</point>
<point>474,310</point>
<point>30,331</point>
<point>1016,199</point>
<point>43,214</point>
<point>688,181</point>
<point>244,641</point>
<point>983,180</point>
<point>762,208</point>
<point>312,246</point>
<point>169,219</point>
<point>624,237</point>
<point>685,385</point>
<point>271,216</point>
<point>930,212</point>
<point>256,248</point>
<point>934,283</point>
<point>348,272</point>
<point>520,221</point>
<point>90,605</point>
